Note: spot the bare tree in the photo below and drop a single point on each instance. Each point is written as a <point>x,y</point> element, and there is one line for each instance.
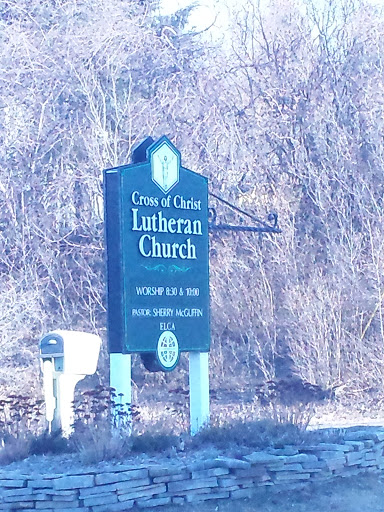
<point>285,114</point>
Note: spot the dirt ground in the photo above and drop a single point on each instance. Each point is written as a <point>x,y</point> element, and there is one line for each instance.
<point>354,494</point>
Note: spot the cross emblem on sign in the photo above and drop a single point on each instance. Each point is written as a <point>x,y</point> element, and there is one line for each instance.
<point>168,350</point>
<point>165,163</point>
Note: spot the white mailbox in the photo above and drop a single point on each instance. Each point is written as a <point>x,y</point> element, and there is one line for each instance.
<point>66,358</point>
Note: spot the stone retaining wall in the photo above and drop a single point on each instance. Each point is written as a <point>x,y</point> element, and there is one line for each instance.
<point>122,487</point>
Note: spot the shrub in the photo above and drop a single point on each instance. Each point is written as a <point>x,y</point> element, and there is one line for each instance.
<point>14,448</point>
<point>258,434</point>
<point>290,400</point>
<point>20,421</point>
<point>102,441</point>
<point>20,414</point>
<point>156,442</point>
<point>102,426</point>
<point>49,444</point>
<point>262,435</point>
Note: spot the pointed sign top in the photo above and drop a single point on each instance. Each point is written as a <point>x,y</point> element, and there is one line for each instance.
<point>165,163</point>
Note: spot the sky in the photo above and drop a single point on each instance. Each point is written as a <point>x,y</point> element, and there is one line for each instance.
<point>203,16</point>
<point>210,10</point>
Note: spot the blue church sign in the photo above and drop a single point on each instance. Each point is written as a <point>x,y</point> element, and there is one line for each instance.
<point>156,217</point>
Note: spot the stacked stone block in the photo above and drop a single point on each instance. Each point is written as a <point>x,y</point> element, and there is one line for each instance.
<point>123,487</point>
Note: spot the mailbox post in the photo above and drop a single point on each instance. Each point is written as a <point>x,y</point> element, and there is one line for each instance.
<point>66,358</point>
